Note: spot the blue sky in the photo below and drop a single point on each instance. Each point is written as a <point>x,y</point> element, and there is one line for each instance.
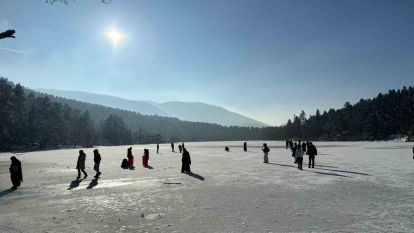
<point>265,59</point>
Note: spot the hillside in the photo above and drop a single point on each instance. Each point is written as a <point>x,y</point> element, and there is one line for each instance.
<point>29,119</point>
<point>188,111</point>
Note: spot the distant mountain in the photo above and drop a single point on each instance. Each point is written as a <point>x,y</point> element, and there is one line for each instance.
<point>142,107</point>
<point>188,111</point>
<point>195,111</point>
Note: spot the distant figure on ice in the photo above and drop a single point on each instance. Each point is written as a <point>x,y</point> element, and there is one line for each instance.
<point>180,148</point>
<point>413,152</point>
<point>299,157</point>
<point>172,146</point>
<point>312,152</point>
<point>186,162</point>
<point>97,160</point>
<point>287,144</point>
<point>16,174</point>
<point>245,146</point>
<point>182,145</point>
<point>145,158</point>
<point>130,158</point>
<point>265,150</point>
<point>290,144</point>
<point>227,149</point>
<point>304,147</point>
<point>81,164</point>
<point>158,147</point>
<point>294,150</point>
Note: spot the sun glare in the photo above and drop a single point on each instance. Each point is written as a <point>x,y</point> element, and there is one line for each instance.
<point>115,36</point>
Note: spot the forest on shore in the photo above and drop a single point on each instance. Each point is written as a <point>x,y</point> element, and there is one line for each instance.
<point>30,120</point>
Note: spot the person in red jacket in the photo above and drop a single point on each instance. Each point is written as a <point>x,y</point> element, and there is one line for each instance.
<point>145,158</point>
<point>130,158</point>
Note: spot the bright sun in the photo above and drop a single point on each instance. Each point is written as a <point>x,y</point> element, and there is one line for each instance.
<point>115,36</point>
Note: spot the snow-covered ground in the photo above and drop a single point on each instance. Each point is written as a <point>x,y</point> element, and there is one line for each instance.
<point>355,187</point>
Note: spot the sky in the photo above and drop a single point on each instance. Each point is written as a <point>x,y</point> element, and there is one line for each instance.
<point>266,59</point>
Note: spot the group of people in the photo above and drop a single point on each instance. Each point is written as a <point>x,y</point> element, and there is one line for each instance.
<point>180,147</point>
<point>185,160</point>
<point>80,165</point>
<point>298,151</point>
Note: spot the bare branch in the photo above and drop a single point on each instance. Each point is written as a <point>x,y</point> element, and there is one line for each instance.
<point>7,34</point>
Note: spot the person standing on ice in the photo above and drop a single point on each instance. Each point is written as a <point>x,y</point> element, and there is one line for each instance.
<point>265,150</point>
<point>182,145</point>
<point>304,147</point>
<point>290,144</point>
<point>16,174</point>
<point>294,150</point>
<point>130,158</point>
<point>97,161</point>
<point>81,164</point>
<point>158,147</point>
<point>186,162</point>
<point>145,158</point>
<point>172,146</point>
<point>299,157</point>
<point>180,148</point>
<point>312,152</point>
<point>245,146</point>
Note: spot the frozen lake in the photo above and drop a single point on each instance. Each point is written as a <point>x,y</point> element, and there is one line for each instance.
<point>355,187</point>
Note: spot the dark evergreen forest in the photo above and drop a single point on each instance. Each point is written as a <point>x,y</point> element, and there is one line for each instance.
<point>30,120</point>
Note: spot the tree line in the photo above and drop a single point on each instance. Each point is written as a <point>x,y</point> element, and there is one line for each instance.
<point>32,120</point>
<point>385,117</point>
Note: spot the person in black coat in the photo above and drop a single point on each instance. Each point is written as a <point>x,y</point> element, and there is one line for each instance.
<point>172,146</point>
<point>186,162</point>
<point>80,165</point>
<point>312,152</point>
<point>97,160</point>
<point>266,151</point>
<point>294,151</point>
<point>245,146</point>
<point>16,174</point>
<point>304,146</point>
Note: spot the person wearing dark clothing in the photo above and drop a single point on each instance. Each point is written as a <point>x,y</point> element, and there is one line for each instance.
<point>180,148</point>
<point>81,164</point>
<point>97,160</point>
<point>312,152</point>
<point>130,158</point>
<point>182,145</point>
<point>304,146</point>
<point>227,149</point>
<point>186,162</point>
<point>291,144</point>
<point>145,158</point>
<point>287,144</point>
<point>16,175</point>
<point>265,150</point>
<point>245,146</point>
<point>172,146</point>
<point>158,147</point>
<point>294,150</point>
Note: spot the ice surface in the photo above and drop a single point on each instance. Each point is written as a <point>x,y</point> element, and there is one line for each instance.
<point>355,187</point>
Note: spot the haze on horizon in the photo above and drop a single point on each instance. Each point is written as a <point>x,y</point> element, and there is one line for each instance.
<point>264,59</point>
